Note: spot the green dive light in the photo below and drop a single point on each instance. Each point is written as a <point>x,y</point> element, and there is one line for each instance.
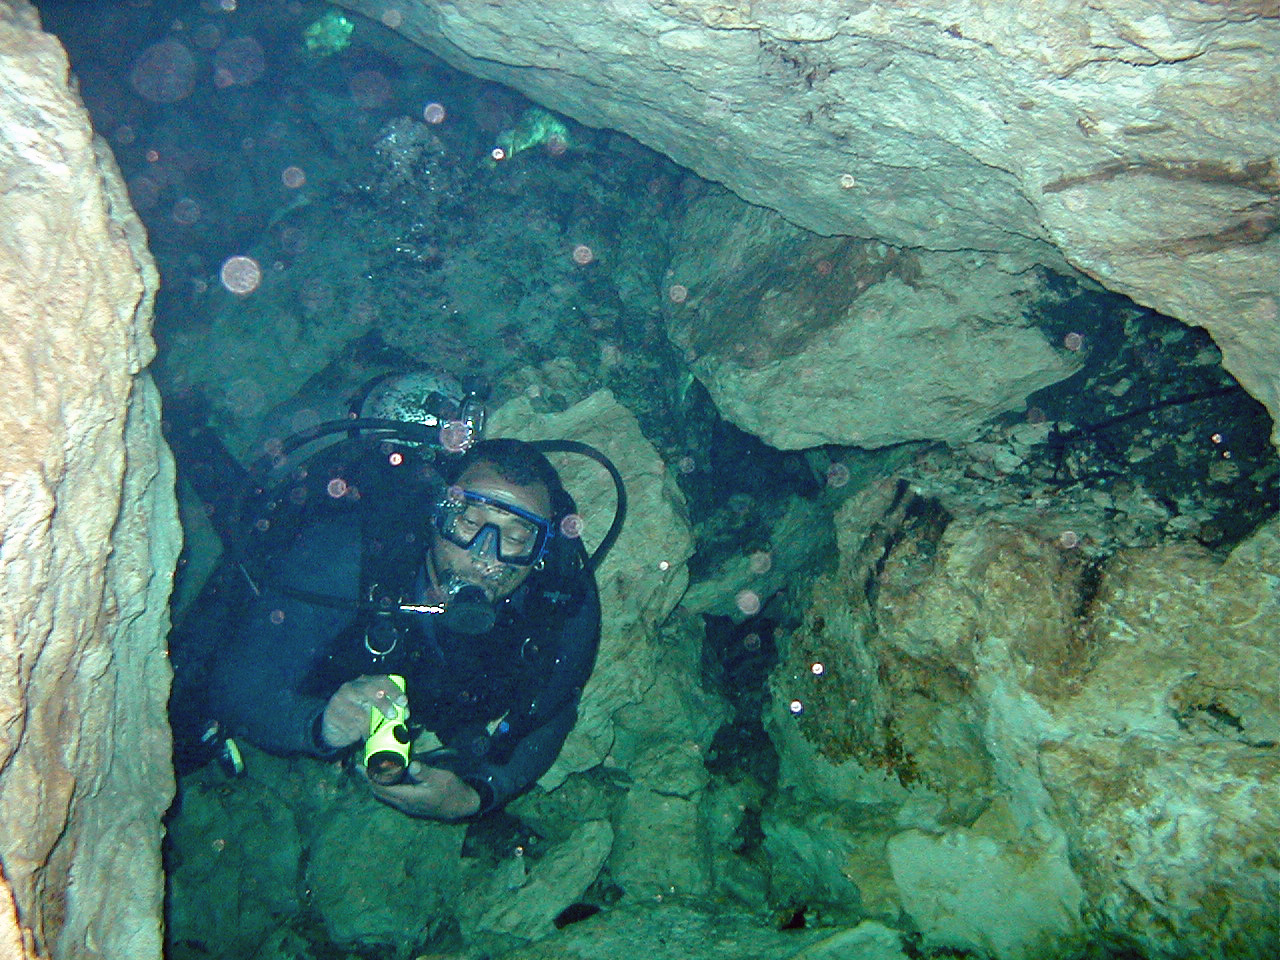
<point>386,750</point>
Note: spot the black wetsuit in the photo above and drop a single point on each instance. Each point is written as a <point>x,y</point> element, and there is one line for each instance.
<point>502,702</point>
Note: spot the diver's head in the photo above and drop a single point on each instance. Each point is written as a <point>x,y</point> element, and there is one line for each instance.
<point>495,522</point>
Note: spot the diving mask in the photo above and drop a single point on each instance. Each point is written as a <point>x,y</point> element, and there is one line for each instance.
<point>491,528</point>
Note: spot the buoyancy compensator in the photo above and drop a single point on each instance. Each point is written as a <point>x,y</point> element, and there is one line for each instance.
<point>388,467</point>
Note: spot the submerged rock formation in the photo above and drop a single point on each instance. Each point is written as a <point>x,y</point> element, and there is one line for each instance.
<point>89,528</point>
<point>1135,139</point>
<point>1002,738</point>
<point>1092,743</point>
<point>805,340</point>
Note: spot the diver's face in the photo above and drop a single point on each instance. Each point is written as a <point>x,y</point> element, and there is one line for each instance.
<point>480,566</point>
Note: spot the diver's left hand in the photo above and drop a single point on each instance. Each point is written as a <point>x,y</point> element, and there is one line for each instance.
<point>430,793</point>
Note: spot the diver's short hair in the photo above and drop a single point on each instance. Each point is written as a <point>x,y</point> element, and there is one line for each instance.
<point>516,462</point>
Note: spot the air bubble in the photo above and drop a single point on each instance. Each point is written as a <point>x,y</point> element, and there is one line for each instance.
<point>241,275</point>
<point>164,73</point>
<point>456,436</point>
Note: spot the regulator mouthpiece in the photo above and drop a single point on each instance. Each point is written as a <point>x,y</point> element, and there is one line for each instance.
<point>469,612</point>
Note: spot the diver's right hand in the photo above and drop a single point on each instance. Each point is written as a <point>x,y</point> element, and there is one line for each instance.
<point>346,715</point>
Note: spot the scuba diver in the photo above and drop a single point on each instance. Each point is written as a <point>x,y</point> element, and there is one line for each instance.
<point>438,608</point>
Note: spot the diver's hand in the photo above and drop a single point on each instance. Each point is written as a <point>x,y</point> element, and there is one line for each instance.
<point>346,715</point>
<point>432,793</point>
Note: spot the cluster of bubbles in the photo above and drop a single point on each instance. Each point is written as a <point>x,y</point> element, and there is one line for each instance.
<point>166,71</point>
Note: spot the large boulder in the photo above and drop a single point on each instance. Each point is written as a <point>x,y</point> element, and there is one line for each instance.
<point>89,529</point>
<point>677,928</point>
<point>1136,139</point>
<point>805,340</point>
<point>644,575</point>
<point>643,710</point>
<point>1166,758</point>
<point>1093,739</point>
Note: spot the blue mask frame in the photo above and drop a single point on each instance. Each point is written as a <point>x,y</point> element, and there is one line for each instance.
<point>452,507</point>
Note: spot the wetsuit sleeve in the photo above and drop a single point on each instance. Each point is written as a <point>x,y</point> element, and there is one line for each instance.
<point>553,716</point>
<point>270,684</point>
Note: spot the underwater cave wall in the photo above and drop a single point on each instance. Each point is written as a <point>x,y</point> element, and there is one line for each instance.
<point>1133,139</point>
<point>89,527</point>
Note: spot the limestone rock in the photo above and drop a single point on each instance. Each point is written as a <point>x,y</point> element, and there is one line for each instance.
<point>804,340</point>
<point>233,867</point>
<point>643,577</point>
<point>1135,139</point>
<point>294,838</point>
<point>799,539</point>
<point>89,530</point>
<point>968,890</point>
<point>1168,765</point>
<point>378,877</point>
<point>727,809</point>
<point>1111,743</point>
<point>521,903</point>
<point>677,929</point>
<point>661,744</point>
